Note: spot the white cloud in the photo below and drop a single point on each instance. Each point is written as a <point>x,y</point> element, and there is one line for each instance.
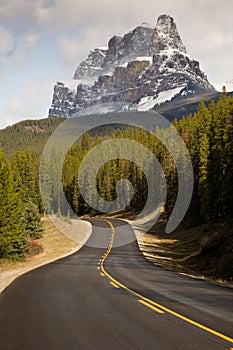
<point>7,42</point>
<point>7,47</point>
<point>15,55</point>
<point>31,40</point>
<point>75,48</point>
<point>29,102</point>
<point>28,11</point>
<point>201,31</point>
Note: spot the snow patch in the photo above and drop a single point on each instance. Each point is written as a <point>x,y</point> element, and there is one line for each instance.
<point>170,52</point>
<point>70,84</point>
<point>148,102</point>
<point>145,58</point>
<point>165,96</point>
<point>140,59</point>
<point>73,84</point>
<point>102,48</point>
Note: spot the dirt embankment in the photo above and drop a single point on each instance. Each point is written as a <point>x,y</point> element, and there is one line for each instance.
<point>205,252</point>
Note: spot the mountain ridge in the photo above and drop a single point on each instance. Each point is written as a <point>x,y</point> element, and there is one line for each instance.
<point>135,69</point>
<point>32,134</point>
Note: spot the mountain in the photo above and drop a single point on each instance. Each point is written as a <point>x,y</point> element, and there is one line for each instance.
<point>143,69</point>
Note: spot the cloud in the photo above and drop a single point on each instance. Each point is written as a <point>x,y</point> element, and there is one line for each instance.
<point>7,47</point>
<point>60,15</point>
<point>75,48</point>
<point>7,42</point>
<point>31,40</point>
<point>86,23</point>
<point>23,14</point>
<point>30,102</point>
<point>15,54</point>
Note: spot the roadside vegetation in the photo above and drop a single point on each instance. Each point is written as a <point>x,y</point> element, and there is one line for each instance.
<point>204,251</point>
<point>20,221</point>
<point>51,246</point>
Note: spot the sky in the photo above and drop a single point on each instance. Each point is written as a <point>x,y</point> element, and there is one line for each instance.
<point>43,41</point>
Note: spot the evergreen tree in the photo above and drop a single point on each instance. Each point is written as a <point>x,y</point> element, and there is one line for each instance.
<point>14,241</point>
<point>25,171</point>
<point>32,221</point>
<point>228,162</point>
<point>203,177</point>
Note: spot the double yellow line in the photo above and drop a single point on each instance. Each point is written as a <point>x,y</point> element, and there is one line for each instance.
<point>148,302</point>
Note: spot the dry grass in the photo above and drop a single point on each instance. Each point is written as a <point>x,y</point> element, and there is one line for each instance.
<point>54,244</point>
<point>205,251</point>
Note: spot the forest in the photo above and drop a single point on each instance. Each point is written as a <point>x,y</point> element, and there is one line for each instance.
<point>208,135</point>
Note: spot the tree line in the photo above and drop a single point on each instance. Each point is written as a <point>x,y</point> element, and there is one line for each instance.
<point>20,205</point>
<point>208,135</point>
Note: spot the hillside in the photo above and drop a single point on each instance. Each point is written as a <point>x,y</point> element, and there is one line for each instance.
<point>32,135</point>
<point>28,135</point>
<point>180,107</point>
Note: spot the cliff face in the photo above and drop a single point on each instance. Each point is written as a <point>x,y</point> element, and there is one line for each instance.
<point>144,69</point>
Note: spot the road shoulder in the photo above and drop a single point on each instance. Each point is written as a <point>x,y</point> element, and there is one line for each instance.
<point>56,245</point>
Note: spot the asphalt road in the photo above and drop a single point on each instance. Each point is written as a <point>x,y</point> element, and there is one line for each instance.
<point>113,299</point>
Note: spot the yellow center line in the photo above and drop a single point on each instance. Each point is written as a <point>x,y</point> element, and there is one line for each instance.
<point>102,274</point>
<point>153,303</point>
<point>114,285</point>
<point>151,306</point>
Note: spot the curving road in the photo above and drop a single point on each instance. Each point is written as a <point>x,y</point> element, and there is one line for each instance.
<point>113,299</point>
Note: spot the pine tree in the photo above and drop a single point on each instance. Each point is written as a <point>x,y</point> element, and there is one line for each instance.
<point>14,242</point>
<point>25,171</point>
<point>203,176</point>
<point>228,162</point>
<point>32,221</point>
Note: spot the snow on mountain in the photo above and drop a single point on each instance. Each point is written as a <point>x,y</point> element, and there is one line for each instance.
<point>70,84</point>
<point>166,36</point>
<point>148,102</point>
<point>145,58</point>
<point>139,59</point>
<point>102,48</point>
<point>141,69</point>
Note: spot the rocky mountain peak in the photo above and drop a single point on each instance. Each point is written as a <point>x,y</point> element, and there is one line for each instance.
<point>143,69</point>
<point>166,36</point>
